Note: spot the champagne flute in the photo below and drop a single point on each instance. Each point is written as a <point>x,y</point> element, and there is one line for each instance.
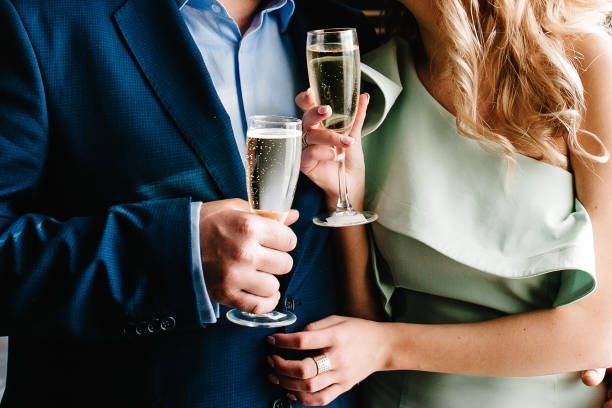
<point>335,79</point>
<point>273,155</point>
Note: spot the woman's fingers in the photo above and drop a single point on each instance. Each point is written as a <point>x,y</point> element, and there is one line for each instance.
<point>362,108</point>
<point>305,100</point>
<point>313,116</point>
<point>328,138</point>
<point>297,369</point>
<point>593,377</point>
<point>313,154</point>
<point>325,323</point>
<point>317,399</point>
<point>355,153</point>
<point>312,340</point>
<point>314,384</point>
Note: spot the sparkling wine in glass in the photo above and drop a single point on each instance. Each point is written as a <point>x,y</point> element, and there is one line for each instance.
<point>335,79</point>
<point>273,154</point>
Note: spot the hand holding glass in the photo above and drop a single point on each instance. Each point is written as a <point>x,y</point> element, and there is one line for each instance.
<point>274,147</point>
<point>335,79</point>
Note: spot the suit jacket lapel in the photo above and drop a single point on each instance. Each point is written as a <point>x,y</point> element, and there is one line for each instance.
<point>297,30</point>
<point>173,66</point>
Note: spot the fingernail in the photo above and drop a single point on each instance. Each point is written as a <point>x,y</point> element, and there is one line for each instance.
<point>271,339</point>
<point>340,157</point>
<point>368,96</point>
<point>347,140</point>
<point>273,379</point>
<point>323,110</point>
<point>308,91</point>
<point>590,373</point>
<point>270,361</point>
<point>292,397</point>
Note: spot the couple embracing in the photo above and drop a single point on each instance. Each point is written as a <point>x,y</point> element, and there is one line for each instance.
<point>484,282</point>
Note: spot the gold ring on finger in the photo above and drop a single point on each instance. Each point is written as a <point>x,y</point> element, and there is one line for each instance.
<point>305,143</point>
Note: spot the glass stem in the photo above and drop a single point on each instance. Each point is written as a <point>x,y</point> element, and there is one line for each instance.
<point>344,204</point>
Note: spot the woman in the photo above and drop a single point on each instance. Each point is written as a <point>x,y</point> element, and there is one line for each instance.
<point>491,180</point>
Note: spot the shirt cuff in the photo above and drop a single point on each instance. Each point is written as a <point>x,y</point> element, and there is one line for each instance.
<point>207,309</point>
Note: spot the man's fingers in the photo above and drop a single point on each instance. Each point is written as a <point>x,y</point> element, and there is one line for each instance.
<point>273,262</point>
<point>313,340</point>
<point>593,377</point>
<point>250,303</point>
<point>260,284</point>
<point>305,100</point>
<point>292,217</point>
<point>274,235</point>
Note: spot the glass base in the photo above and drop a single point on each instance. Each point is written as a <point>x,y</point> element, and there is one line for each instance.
<point>345,219</point>
<point>272,319</point>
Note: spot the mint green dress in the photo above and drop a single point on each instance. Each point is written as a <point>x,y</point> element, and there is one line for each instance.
<point>457,241</point>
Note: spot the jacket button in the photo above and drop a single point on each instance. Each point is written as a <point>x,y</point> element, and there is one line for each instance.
<point>154,326</point>
<point>168,323</point>
<point>130,330</point>
<point>281,403</point>
<point>141,328</point>
<point>289,304</point>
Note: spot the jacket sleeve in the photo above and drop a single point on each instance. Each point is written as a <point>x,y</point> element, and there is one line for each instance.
<point>124,272</point>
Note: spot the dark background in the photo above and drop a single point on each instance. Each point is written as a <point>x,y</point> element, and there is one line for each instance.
<point>362,4</point>
<point>371,8</point>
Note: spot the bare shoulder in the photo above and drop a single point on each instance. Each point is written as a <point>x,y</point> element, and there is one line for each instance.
<point>594,54</point>
<point>594,181</point>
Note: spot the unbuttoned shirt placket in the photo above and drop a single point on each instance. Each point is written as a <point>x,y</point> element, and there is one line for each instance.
<point>261,79</point>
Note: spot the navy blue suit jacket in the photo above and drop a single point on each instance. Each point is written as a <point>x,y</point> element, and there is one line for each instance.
<point>109,128</point>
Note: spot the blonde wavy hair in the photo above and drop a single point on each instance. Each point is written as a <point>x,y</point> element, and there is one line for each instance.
<point>512,60</point>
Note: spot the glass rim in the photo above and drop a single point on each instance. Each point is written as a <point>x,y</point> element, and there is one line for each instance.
<point>274,119</point>
<point>338,30</point>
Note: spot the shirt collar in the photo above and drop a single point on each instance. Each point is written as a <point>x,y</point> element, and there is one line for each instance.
<point>285,8</point>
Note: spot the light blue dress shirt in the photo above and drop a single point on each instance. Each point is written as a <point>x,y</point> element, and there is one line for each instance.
<point>253,74</point>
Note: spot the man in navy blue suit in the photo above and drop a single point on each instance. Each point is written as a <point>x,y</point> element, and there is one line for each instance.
<point>124,234</point>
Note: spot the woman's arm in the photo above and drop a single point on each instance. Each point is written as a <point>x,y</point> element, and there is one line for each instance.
<point>566,339</point>
<point>319,163</point>
<point>571,338</point>
<point>358,289</point>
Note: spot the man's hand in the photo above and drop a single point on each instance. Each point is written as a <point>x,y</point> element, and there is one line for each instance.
<point>241,254</point>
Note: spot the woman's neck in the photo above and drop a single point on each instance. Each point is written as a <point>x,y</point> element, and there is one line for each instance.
<point>432,66</point>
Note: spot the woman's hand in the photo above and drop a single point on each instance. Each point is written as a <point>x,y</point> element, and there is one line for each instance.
<point>354,347</point>
<point>594,377</point>
<point>321,155</point>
